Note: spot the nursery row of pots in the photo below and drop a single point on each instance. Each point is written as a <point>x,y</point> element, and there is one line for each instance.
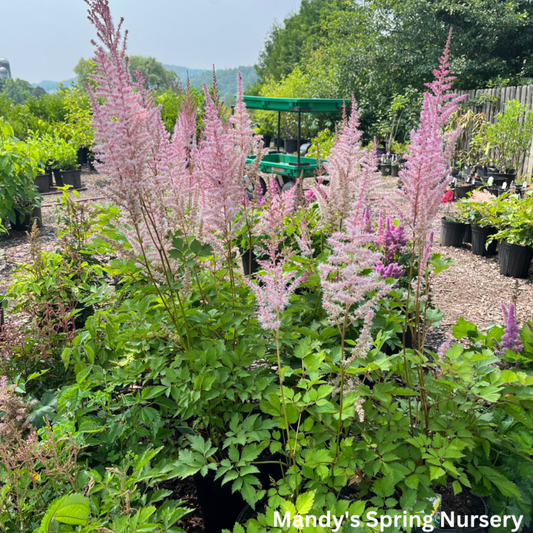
<point>44,182</point>
<point>515,260</point>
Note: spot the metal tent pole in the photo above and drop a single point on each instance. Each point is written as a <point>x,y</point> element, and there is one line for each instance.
<point>279,132</point>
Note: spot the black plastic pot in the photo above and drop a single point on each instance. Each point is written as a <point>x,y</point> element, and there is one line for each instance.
<point>515,260</point>
<point>83,153</point>
<point>290,145</point>
<point>249,267</point>
<point>499,178</point>
<point>481,171</point>
<point>394,170</point>
<point>451,233</point>
<point>467,237</point>
<point>42,182</point>
<point>480,234</point>
<point>72,178</point>
<point>24,221</point>
<point>267,139</point>
<point>386,169</point>
<point>461,192</point>
<point>57,177</point>
<point>220,507</point>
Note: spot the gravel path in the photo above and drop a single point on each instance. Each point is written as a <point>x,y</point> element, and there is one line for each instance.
<point>471,288</point>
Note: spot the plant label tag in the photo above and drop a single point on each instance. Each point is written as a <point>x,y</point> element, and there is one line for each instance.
<point>504,186</point>
<point>491,180</point>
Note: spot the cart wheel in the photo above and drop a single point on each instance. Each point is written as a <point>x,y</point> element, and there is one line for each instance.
<point>250,187</point>
<point>288,185</point>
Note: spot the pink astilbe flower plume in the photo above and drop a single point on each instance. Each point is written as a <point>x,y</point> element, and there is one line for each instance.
<point>425,176</point>
<point>279,282</point>
<point>133,145</point>
<point>221,162</point>
<point>511,337</point>
<point>346,166</point>
<point>344,278</point>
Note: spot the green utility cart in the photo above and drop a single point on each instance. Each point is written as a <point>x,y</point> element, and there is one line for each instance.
<point>287,166</point>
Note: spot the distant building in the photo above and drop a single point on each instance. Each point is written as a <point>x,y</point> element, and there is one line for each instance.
<point>5,69</point>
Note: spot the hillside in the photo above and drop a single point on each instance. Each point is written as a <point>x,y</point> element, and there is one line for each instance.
<point>227,79</point>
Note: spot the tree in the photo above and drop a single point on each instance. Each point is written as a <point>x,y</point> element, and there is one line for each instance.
<point>382,48</point>
<point>157,76</point>
<point>83,70</point>
<point>286,43</point>
<point>18,90</point>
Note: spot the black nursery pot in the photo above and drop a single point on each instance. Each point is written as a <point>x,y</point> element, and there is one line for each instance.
<point>249,262</point>
<point>72,178</point>
<point>515,260</point>
<point>481,171</point>
<point>57,177</point>
<point>499,178</point>
<point>451,233</point>
<point>394,171</point>
<point>467,237</point>
<point>480,234</point>
<point>220,507</point>
<point>42,182</point>
<point>267,139</point>
<point>386,169</point>
<point>461,192</point>
<point>290,145</point>
<point>23,222</point>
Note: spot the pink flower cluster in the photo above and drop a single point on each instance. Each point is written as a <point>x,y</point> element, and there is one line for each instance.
<point>279,282</point>
<point>165,184</point>
<point>448,197</point>
<point>392,270</point>
<point>391,238</point>
<point>352,173</point>
<point>511,337</point>
<point>425,176</point>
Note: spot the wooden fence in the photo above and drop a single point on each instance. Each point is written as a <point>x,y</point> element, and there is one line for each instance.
<point>492,101</point>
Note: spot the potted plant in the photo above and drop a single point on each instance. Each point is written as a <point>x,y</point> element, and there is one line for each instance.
<point>452,229</point>
<point>476,212</point>
<point>18,194</point>
<point>514,221</point>
<point>508,140</point>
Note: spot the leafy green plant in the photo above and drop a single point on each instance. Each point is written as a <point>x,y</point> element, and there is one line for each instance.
<point>508,139</point>
<point>19,164</point>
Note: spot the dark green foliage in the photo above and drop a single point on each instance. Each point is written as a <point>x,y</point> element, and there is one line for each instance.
<point>18,90</point>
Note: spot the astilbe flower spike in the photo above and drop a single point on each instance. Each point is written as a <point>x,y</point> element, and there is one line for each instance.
<point>221,163</point>
<point>390,237</point>
<point>511,337</point>
<point>343,277</point>
<point>132,144</point>
<point>346,165</point>
<point>425,175</point>
<point>278,283</point>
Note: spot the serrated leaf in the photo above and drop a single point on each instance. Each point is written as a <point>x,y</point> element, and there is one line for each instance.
<point>412,481</point>
<point>436,472</point>
<point>304,503</point>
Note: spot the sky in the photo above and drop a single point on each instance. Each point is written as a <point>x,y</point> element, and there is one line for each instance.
<point>44,39</point>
